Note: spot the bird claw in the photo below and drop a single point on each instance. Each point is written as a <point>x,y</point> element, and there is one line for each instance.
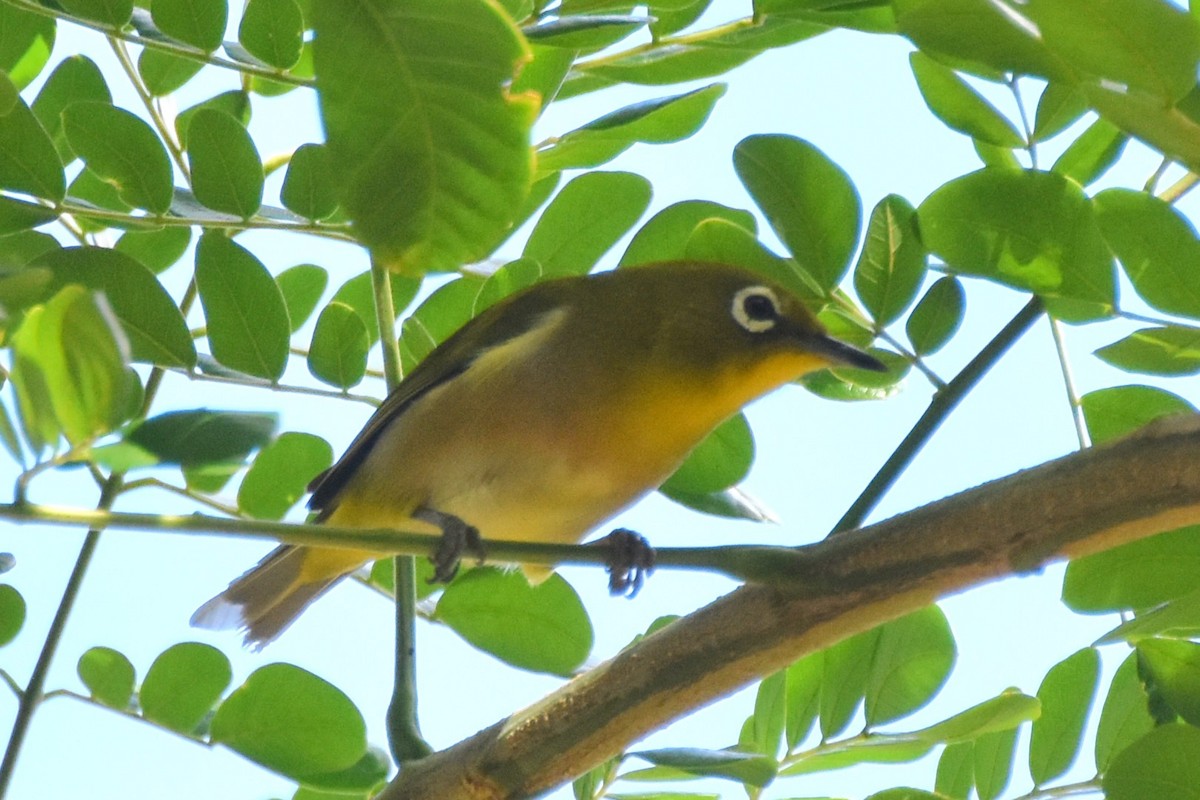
<point>458,538</point>
<point>630,561</point>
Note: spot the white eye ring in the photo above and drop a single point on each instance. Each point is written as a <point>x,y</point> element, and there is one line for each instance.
<point>751,312</point>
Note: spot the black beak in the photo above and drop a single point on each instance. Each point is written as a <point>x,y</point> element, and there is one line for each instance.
<point>841,354</point>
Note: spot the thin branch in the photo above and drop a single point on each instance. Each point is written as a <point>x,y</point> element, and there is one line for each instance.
<point>943,403</point>
<point>164,131</point>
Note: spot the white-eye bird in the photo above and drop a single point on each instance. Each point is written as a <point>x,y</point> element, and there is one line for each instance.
<point>547,414</point>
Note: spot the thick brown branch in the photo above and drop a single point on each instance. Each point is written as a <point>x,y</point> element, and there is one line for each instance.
<point>1080,504</point>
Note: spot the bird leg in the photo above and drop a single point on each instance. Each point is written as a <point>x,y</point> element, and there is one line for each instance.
<point>630,561</point>
<point>457,538</point>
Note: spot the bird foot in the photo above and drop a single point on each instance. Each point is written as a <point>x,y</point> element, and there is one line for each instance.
<point>458,538</point>
<point>630,561</point>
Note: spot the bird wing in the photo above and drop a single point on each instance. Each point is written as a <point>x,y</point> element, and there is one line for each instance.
<point>498,324</point>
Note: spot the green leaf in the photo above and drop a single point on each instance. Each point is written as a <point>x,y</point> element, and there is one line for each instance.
<point>937,317</point>
<point>155,250</point>
<point>803,698</point>
<point>28,161</point>
<point>993,757</point>
<point>1163,764</point>
<point>1174,670</point>
<point>183,684</point>
<point>200,23</point>
<point>1156,246</point>
<point>308,187</point>
<point>770,713</point>
<point>1125,716</point>
<point>1059,107</point>
<point>754,770</point>
<point>75,79</point>
<point>12,613</point>
<point>1004,712</point>
<point>280,474</point>
<point>1136,575</point>
<point>585,220</point>
<point>809,201</point>
<point>236,104</point>
<point>442,313</point>
<point>1173,130</point>
<point>123,151</point>
<point>360,296</point>
<point>853,385</point>
<point>194,438</point>
<point>164,73</point>
<point>292,722</point>
<point>272,31</point>
<point>585,32</point>
<point>248,326</point>
<point>26,40</point>
<point>1147,46</point>
<point>844,681</point>
<point>1172,350</point>
<point>338,353</point>
<point>956,771</point>
<point>687,61</point>
<point>301,287</point>
<point>113,13</point>
<point>18,215</point>
<point>227,174</point>
<point>954,102</point>
<point>149,317</point>
<point>427,187</point>
<point>891,265</point>
<point>1179,618</point>
<point>732,503</point>
<point>666,119</point>
<point>874,750</point>
<point>72,349</point>
<point>724,242</point>
<point>721,460</point>
<point>912,659</point>
<point>1091,155</point>
<point>1120,410</point>
<point>672,17</point>
<point>108,676</point>
<point>664,237</point>
<point>542,628</point>
<point>1030,230</point>
<point>1066,694</point>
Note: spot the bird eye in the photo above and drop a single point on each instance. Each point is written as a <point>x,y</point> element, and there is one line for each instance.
<point>756,308</point>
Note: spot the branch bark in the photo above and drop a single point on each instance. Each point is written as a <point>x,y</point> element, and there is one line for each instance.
<point>1083,503</point>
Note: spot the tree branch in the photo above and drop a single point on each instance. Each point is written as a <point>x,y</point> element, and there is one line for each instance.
<point>1084,503</point>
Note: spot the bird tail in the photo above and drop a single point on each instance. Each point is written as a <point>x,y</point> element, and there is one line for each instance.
<point>266,600</point>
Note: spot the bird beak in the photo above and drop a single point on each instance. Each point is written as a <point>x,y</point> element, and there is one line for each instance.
<point>840,354</point>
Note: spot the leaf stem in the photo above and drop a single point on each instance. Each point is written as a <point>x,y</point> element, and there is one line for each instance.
<point>120,219</point>
<point>284,388</point>
<point>1060,345</point>
<point>404,729</point>
<point>164,131</point>
<point>943,403</point>
<point>1179,188</point>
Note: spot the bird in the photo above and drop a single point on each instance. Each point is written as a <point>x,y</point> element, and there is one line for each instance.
<point>545,415</point>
